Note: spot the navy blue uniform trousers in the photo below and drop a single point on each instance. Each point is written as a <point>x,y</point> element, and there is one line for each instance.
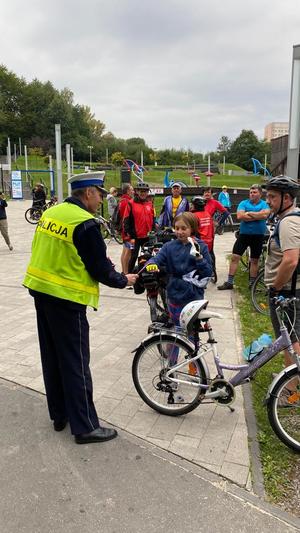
<point>63,332</point>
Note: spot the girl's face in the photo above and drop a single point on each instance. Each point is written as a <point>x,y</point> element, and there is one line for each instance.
<point>183,231</point>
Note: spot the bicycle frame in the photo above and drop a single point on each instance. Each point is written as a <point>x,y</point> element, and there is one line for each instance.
<point>245,371</point>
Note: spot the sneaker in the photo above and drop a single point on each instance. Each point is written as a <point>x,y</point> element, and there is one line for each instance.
<point>226,286</point>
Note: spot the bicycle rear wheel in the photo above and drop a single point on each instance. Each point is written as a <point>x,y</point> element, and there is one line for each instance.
<point>284,409</point>
<point>150,365</point>
<point>117,236</point>
<point>259,295</point>
<point>33,215</point>
<point>104,231</point>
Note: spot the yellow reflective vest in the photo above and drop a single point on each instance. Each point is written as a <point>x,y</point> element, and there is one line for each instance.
<point>55,267</point>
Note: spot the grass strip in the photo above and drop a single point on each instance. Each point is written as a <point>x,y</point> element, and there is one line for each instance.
<point>278,461</point>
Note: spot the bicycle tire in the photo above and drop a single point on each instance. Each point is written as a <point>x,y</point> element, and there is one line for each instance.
<point>245,259</point>
<point>118,237</point>
<point>220,230</point>
<point>149,365</point>
<point>33,215</point>
<point>259,295</point>
<point>284,409</point>
<point>104,231</point>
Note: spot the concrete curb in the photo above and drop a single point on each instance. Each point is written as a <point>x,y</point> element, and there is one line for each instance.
<point>254,450</point>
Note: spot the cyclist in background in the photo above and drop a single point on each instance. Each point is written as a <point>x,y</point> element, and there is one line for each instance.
<point>38,196</point>
<point>224,198</point>
<point>139,220</point>
<point>212,205</point>
<point>252,215</point>
<point>206,229</point>
<point>173,205</point>
<point>282,273</point>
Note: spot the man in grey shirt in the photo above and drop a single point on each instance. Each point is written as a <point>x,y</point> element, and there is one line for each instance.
<point>281,268</point>
<point>112,201</point>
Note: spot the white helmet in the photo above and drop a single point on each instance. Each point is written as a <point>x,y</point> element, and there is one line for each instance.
<point>190,313</point>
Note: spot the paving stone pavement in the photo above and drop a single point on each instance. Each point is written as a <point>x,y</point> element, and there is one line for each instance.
<point>210,436</point>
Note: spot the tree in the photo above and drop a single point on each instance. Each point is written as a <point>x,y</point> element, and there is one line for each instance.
<point>117,159</point>
<point>244,148</point>
<point>224,145</point>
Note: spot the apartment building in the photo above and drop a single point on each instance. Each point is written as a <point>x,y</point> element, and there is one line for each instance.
<point>276,129</point>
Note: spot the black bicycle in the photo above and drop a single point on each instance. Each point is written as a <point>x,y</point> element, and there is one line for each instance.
<point>108,230</point>
<point>34,213</point>
<point>154,283</point>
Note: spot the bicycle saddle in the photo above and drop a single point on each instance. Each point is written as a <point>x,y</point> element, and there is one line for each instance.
<point>195,310</point>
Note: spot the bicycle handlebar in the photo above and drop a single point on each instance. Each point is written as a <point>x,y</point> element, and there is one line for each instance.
<point>283,302</point>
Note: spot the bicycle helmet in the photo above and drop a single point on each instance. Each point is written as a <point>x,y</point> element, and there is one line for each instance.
<point>198,202</point>
<point>284,184</point>
<point>190,313</point>
<point>142,186</point>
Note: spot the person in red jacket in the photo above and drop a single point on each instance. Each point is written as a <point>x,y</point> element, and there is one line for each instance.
<point>205,221</point>
<point>212,205</point>
<point>139,220</point>
<point>127,195</point>
<point>206,228</point>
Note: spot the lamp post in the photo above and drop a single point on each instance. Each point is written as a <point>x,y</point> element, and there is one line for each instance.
<point>294,122</point>
<point>90,148</point>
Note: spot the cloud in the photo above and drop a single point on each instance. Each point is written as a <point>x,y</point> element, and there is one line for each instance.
<point>176,73</point>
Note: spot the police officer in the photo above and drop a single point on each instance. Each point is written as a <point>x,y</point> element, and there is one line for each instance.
<point>67,263</point>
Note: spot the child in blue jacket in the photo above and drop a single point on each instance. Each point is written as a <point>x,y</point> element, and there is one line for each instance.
<point>188,263</point>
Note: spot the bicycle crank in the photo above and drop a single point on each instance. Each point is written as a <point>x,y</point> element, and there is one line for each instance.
<point>221,391</point>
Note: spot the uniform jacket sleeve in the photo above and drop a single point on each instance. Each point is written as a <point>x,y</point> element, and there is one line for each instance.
<point>92,250</point>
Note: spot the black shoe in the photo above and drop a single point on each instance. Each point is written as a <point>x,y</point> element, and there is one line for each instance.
<point>226,286</point>
<point>98,435</point>
<point>59,425</point>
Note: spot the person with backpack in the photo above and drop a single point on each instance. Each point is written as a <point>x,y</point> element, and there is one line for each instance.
<point>282,272</point>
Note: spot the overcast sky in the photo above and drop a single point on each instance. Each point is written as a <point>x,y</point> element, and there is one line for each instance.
<point>179,73</point>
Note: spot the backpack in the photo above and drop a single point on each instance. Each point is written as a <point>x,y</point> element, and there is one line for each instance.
<point>275,236</point>
<point>116,218</point>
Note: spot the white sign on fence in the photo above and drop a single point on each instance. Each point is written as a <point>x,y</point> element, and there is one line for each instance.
<point>16,185</point>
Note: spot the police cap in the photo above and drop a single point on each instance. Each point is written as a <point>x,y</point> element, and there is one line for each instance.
<point>88,179</point>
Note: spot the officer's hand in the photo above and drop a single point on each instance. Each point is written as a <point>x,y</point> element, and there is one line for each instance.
<point>131,279</point>
<point>152,268</point>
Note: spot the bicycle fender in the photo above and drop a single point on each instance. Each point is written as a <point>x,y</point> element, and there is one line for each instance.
<point>276,379</point>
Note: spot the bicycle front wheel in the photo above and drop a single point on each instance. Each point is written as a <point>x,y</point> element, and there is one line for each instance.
<point>259,295</point>
<point>104,231</point>
<point>284,409</point>
<point>152,361</point>
<point>33,215</point>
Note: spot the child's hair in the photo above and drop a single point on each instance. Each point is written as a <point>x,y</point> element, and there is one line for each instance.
<point>189,219</point>
<point>112,190</point>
